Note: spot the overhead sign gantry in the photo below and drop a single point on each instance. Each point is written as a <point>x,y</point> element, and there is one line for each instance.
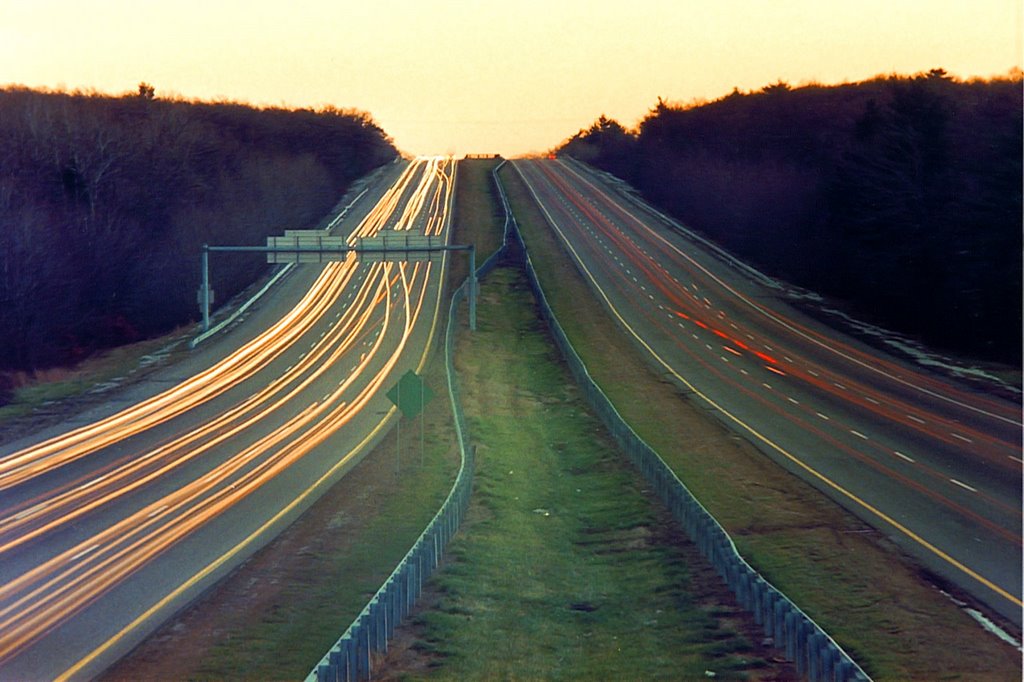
<point>316,246</point>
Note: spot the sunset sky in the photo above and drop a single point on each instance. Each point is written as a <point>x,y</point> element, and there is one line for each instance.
<point>510,77</point>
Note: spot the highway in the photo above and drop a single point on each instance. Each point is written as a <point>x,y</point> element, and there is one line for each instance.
<point>932,462</point>
<point>111,524</point>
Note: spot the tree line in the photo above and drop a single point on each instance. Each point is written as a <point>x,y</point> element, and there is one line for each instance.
<point>900,195</point>
<point>106,201</point>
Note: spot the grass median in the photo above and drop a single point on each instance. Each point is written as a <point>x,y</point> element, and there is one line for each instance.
<point>853,581</point>
<point>567,567</point>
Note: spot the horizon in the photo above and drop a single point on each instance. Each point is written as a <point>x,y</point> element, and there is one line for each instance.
<point>442,79</point>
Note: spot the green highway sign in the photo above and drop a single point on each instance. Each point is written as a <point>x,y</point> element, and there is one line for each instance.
<point>410,394</point>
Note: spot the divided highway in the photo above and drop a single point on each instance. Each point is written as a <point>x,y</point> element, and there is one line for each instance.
<point>933,463</point>
<point>107,528</point>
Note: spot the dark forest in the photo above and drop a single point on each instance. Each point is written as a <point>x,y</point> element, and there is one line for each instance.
<point>900,196</point>
<point>106,201</point>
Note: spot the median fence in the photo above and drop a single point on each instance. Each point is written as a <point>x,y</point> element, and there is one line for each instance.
<point>351,656</point>
<point>816,655</point>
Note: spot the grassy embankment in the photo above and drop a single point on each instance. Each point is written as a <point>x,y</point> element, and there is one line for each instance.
<point>853,581</point>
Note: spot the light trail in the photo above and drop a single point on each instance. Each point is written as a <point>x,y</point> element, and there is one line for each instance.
<point>57,587</point>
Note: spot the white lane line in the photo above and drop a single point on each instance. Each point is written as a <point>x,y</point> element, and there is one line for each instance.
<point>156,511</point>
<point>793,400</point>
<point>93,482</point>
<point>31,510</point>
<point>918,420</point>
<point>766,386</point>
<point>963,438</point>
<point>823,416</point>
<point>1018,460</point>
<point>872,400</point>
<point>813,373</point>
<point>724,359</point>
<point>900,454</point>
<point>963,485</point>
<point>839,386</point>
<point>84,552</point>
<point>858,434</point>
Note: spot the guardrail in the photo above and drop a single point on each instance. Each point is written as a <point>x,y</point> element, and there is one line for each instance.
<point>351,656</point>
<point>816,655</point>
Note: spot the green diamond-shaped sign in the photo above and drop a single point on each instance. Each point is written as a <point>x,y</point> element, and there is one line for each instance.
<point>410,394</point>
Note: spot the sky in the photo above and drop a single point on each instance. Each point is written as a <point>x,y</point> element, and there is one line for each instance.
<point>512,77</point>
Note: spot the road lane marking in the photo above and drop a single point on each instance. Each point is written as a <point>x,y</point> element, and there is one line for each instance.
<point>156,511</point>
<point>31,510</point>
<point>823,416</point>
<point>793,400</point>
<point>963,485</point>
<point>963,438</point>
<point>917,419</point>
<point>901,455</point>
<point>84,552</point>
<point>858,434</point>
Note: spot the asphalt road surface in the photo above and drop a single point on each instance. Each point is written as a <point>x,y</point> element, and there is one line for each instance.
<point>934,463</point>
<point>112,523</point>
